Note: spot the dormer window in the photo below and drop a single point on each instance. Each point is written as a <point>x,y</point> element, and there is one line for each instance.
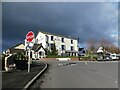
<point>52,38</point>
<point>71,41</point>
<point>63,47</point>
<point>72,48</point>
<point>47,38</point>
<point>62,39</point>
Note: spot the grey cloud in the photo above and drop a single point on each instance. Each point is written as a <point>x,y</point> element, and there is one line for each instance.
<point>83,20</point>
<point>61,0</point>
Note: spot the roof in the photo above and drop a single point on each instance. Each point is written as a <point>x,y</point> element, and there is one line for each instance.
<point>36,47</point>
<point>58,35</point>
<point>17,45</point>
<point>12,50</point>
<point>81,49</point>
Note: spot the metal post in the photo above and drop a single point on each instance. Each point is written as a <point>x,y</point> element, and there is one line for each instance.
<point>29,61</point>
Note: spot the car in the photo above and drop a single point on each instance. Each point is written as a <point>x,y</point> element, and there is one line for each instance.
<point>114,56</point>
<point>107,57</point>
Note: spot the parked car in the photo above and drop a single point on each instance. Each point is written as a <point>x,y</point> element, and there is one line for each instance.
<point>114,56</point>
<point>107,57</point>
<point>118,56</point>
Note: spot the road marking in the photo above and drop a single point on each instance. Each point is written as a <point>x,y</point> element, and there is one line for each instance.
<point>85,63</point>
<point>60,64</point>
<point>116,81</point>
<point>72,64</point>
<point>108,62</point>
<point>65,64</point>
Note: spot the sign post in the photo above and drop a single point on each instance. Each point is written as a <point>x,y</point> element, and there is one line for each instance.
<point>29,39</point>
<point>29,61</point>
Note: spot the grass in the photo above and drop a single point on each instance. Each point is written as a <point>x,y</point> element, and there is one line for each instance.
<point>56,56</point>
<point>86,56</point>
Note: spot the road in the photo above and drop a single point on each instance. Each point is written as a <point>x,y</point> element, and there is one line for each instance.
<point>17,79</point>
<point>71,74</point>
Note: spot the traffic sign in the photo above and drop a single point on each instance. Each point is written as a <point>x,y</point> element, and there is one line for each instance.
<point>30,36</point>
<point>28,42</point>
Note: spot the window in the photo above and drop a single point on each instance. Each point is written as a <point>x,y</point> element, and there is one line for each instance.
<point>52,38</point>
<point>47,38</point>
<point>63,47</point>
<point>40,53</point>
<point>62,39</point>
<point>52,46</point>
<point>47,44</point>
<point>72,48</point>
<point>36,40</point>
<point>71,41</point>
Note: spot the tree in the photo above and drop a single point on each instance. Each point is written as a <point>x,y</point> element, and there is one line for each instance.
<point>54,51</point>
<point>91,45</point>
<point>105,44</point>
<point>114,49</point>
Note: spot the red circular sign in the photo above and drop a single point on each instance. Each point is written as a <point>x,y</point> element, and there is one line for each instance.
<point>30,36</point>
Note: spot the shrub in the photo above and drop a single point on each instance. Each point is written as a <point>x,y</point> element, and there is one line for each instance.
<point>57,56</point>
<point>20,56</point>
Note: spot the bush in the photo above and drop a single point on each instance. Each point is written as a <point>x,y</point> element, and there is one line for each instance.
<point>52,56</point>
<point>21,64</point>
<point>20,56</point>
<point>57,56</point>
<point>90,56</point>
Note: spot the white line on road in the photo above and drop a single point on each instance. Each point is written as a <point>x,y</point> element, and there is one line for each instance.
<point>98,61</point>
<point>116,81</point>
<point>66,64</point>
<point>85,63</point>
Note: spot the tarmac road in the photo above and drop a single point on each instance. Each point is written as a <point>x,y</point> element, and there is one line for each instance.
<point>17,79</point>
<point>71,74</point>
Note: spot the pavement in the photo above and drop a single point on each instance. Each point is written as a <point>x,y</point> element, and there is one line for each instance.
<point>17,79</point>
<point>80,74</point>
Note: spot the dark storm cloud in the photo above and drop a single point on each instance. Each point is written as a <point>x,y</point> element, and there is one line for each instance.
<point>83,20</point>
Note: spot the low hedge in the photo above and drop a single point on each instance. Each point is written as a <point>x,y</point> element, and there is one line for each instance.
<point>57,56</point>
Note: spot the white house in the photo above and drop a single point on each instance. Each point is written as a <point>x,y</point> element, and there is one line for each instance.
<point>38,51</point>
<point>64,45</point>
<point>43,40</point>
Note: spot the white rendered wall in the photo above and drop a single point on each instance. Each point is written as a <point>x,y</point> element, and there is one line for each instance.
<point>57,40</point>
<point>41,39</point>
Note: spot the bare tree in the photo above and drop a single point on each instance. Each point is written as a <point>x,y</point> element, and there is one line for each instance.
<point>105,44</point>
<point>91,45</point>
<point>114,49</point>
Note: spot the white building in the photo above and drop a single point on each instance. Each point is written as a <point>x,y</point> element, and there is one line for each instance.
<point>38,51</point>
<point>64,45</point>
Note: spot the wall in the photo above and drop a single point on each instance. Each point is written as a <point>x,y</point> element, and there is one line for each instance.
<point>41,39</point>
<point>58,42</point>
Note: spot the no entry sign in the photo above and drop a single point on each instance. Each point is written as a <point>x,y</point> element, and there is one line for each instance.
<point>30,36</point>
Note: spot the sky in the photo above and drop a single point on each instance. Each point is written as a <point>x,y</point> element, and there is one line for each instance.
<point>83,20</point>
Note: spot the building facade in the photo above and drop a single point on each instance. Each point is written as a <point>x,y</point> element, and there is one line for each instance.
<point>38,51</point>
<point>65,45</point>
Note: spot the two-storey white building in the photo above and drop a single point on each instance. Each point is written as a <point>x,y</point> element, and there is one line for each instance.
<point>65,45</point>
